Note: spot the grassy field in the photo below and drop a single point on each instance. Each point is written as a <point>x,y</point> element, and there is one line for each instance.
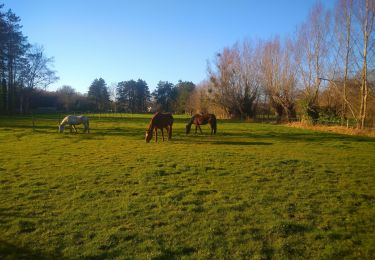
<point>256,191</point>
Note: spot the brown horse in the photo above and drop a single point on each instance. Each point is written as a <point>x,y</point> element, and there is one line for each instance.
<point>202,119</point>
<point>160,121</point>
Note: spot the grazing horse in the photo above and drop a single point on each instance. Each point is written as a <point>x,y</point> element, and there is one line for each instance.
<point>160,121</point>
<point>72,121</point>
<point>202,119</point>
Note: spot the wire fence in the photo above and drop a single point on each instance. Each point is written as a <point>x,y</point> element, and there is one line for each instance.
<point>33,120</point>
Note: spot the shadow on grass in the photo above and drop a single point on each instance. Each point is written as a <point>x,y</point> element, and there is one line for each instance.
<point>285,229</point>
<point>11,251</point>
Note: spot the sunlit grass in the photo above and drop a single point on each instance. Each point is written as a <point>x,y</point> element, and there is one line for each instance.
<point>253,190</point>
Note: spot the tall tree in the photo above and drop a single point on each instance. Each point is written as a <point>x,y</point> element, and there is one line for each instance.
<point>184,90</point>
<point>98,94</point>
<point>343,33</point>
<point>236,80</point>
<point>312,57</point>
<point>3,96</point>
<point>365,15</point>
<point>15,47</point>
<point>35,73</point>
<point>3,39</point>
<point>279,78</point>
<point>112,91</point>
<point>133,96</point>
<point>165,96</point>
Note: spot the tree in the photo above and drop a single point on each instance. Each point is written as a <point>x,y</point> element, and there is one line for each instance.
<point>67,97</point>
<point>3,95</point>
<point>112,91</point>
<point>165,96</point>
<point>184,90</point>
<point>344,27</point>
<point>133,96</point>
<point>236,80</point>
<point>13,46</point>
<point>312,59</point>
<point>355,52</point>
<point>365,15</point>
<point>98,94</point>
<point>3,38</point>
<point>35,73</point>
<point>279,78</point>
<point>201,101</point>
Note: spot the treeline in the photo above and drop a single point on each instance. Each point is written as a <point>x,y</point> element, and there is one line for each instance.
<point>126,96</point>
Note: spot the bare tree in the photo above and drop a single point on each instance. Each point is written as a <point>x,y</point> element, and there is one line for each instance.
<point>201,100</point>
<point>365,15</point>
<point>312,57</point>
<point>35,73</point>
<point>344,27</point>
<point>67,97</point>
<point>279,77</point>
<point>112,91</point>
<point>235,80</point>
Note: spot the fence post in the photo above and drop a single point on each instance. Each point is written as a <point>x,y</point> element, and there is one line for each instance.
<point>347,123</point>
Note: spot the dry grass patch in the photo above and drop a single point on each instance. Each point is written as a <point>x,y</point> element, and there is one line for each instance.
<point>334,129</point>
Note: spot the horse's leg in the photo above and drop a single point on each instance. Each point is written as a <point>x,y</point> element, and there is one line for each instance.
<point>170,133</point>
<point>196,127</point>
<point>74,127</point>
<point>200,129</point>
<point>162,133</point>
<point>156,135</point>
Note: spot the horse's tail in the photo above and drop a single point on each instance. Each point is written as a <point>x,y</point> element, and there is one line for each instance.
<point>214,124</point>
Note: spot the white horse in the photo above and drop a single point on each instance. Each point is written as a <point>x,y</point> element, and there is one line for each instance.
<point>72,121</point>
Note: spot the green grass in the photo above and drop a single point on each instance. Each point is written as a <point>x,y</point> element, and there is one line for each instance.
<point>252,191</point>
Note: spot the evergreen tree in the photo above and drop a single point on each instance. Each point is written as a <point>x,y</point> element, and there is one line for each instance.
<point>184,90</point>
<point>133,96</point>
<point>98,94</point>
<point>165,96</point>
<point>14,48</point>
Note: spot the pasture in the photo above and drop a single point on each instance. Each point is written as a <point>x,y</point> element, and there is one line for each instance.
<point>257,191</point>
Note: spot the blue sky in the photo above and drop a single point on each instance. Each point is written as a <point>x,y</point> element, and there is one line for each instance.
<point>153,40</point>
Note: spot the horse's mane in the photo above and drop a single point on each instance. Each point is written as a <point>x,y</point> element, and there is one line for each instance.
<point>191,121</point>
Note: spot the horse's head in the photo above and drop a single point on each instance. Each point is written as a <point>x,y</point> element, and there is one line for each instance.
<point>61,128</point>
<point>148,135</point>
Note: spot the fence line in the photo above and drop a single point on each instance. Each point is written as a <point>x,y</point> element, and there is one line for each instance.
<point>264,118</point>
